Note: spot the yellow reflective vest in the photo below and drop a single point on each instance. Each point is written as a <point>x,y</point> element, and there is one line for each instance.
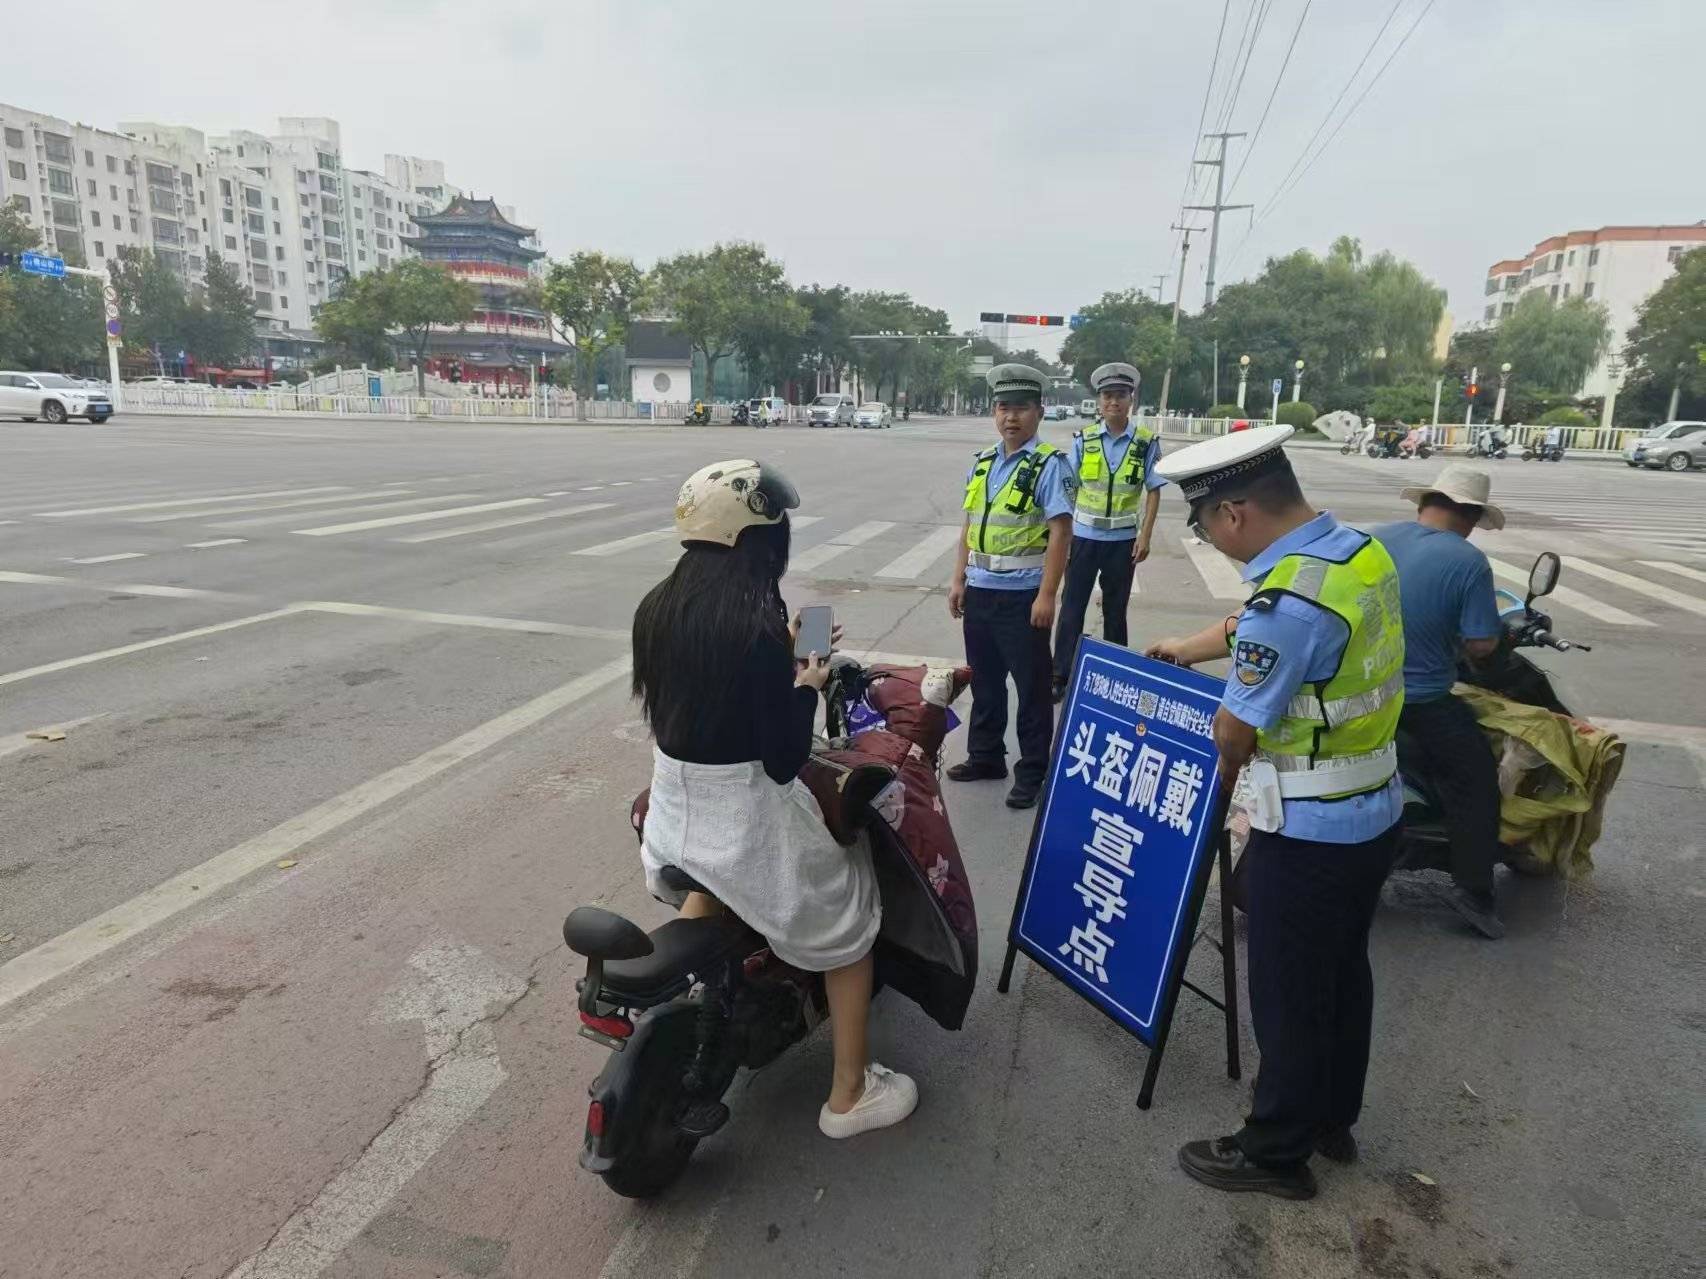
<point>1109,499</point>
<point>1009,530</point>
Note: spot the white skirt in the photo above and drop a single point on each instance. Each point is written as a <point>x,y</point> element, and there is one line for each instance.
<point>764,852</point>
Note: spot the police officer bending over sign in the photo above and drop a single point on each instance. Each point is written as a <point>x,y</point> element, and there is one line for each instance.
<point>1018,521</point>
<point>1311,706</point>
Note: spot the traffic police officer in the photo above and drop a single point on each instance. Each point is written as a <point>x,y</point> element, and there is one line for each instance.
<point>1115,466</point>
<point>1018,523</point>
<point>1311,707</point>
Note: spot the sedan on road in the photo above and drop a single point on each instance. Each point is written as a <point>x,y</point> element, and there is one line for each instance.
<point>1676,446</point>
<point>52,397</point>
<point>1057,413</point>
<point>874,414</point>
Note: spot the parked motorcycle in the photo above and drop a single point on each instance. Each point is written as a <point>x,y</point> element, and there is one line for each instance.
<point>1542,452</point>
<point>1507,672</point>
<point>699,415</point>
<point>742,414</point>
<point>1490,442</point>
<point>686,1006</point>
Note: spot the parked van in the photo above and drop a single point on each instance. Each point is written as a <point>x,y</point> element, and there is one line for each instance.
<point>831,409</point>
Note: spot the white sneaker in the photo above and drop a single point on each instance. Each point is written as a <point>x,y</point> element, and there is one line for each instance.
<point>888,1098</point>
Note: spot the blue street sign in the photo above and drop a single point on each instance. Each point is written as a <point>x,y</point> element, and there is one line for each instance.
<point>42,264</point>
<point>1076,321</point>
<point>1128,829</point>
<point>1277,386</point>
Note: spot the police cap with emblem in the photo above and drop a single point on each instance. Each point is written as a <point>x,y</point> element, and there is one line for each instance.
<point>1115,377</point>
<point>1016,381</point>
<point>1226,462</point>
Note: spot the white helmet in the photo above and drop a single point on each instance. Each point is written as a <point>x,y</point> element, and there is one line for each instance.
<point>720,500</point>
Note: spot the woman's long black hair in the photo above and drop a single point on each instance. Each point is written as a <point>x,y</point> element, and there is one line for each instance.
<point>695,630</point>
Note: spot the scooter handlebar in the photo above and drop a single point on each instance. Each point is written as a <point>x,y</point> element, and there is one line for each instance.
<point>1549,640</point>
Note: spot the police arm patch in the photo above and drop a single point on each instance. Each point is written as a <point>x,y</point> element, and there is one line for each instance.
<point>1253,662</point>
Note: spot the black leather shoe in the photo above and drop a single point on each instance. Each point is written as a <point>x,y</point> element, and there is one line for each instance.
<point>1023,795</point>
<point>1479,910</point>
<point>1221,1163</point>
<point>972,771</point>
<point>1057,691</point>
<point>1338,1145</point>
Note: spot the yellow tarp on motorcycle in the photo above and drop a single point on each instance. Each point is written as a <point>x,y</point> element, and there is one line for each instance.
<point>1554,773</point>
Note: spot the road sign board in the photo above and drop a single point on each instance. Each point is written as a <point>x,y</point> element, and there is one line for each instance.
<point>108,293</point>
<point>1122,849</point>
<point>1277,386</point>
<point>1076,321</point>
<point>112,310</point>
<point>114,328</point>
<point>42,264</point>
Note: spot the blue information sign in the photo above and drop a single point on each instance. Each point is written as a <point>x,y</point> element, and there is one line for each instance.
<point>1127,832</point>
<point>1278,386</point>
<point>41,264</point>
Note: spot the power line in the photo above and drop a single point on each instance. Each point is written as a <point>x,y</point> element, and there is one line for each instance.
<point>1247,47</point>
<point>1272,94</point>
<point>1202,115</point>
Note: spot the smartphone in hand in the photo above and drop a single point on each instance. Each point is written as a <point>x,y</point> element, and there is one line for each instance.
<point>816,626</point>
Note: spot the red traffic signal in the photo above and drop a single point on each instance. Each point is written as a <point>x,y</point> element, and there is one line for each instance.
<point>1472,390</point>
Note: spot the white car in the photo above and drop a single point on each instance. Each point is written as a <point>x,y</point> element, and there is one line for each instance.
<point>1057,412</point>
<point>830,409</point>
<point>52,397</point>
<point>874,414</point>
<point>1087,408</point>
<point>155,379</point>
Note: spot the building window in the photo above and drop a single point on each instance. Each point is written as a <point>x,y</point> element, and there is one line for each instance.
<point>225,188</point>
<point>277,229</point>
<point>327,161</point>
<point>1493,284</point>
<point>23,201</point>
<point>1570,259</point>
<point>65,212</point>
<point>1552,293</point>
<point>95,217</point>
<point>231,243</point>
<point>58,148</point>
<point>361,255</point>
<point>17,171</point>
<point>1593,257</point>
<point>93,189</point>
<point>278,252</point>
<point>100,249</point>
<point>1674,253</point>
<point>135,227</point>
<point>1566,290</point>
<point>160,175</point>
<point>251,197</point>
<point>1587,289</point>
<point>60,183</point>
<point>113,189</point>
<point>275,204</point>
<point>1506,308</point>
<point>228,215</point>
<point>263,301</point>
<point>283,278</point>
<point>15,138</point>
<point>1489,313</point>
<point>283,302</point>
<point>112,164</point>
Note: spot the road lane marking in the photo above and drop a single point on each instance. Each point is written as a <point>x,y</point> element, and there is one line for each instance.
<point>1640,585</point>
<point>264,506</point>
<point>85,659</point>
<point>591,488</point>
<point>620,484</point>
<point>1570,598</point>
<point>627,543</point>
<point>185,501</point>
<point>840,544</point>
<point>77,946</point>
<point>452,996</point>
<point>1217,572</point>
<point>218,541</point>
<point>558,493</point>
<point>1682,569</point>
<point>267,521</point>
<point>11,521</point>
<point>23,741</point>
<point>488,525</point>
<point>390,521</point>
<point>83,583</point>
<point>460,619</point>
<point>915,561</point>
<point>108,559</point>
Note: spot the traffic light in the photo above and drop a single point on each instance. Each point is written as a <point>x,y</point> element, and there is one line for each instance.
<point>1471,391</point>
<point>544,372</point>
<point>8,261</point>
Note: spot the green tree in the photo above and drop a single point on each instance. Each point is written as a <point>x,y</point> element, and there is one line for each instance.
<point>828,337</point>
<point>593,295</point>
<point>354,322</point>
<point>152,305</point>
<point>1666,349</point>
<point>718,297</point>
<point>1407,402</point>
<point>44,323</point>
<point>1127,327</point>
<point>1552,345</point>
<point>406,301</point>
<point>221,320</point>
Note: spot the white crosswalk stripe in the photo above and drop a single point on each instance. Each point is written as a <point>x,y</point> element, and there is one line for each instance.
<point>512,521</point>
<point>1629,582</point>
<point>1218,573</point>
<point>912,563</point>
<point>810,560</point>
<point>211,511</point>
<point>418,517</point>
<point>628,543</point>
<point>266,521</point>
<point>1571,598</point>
<point>109,559</point>
<point>1681,569</point>
<point>187,501</point>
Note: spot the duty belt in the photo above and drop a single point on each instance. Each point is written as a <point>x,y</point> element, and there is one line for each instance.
<point>1005,563</point>
<point>1107,521</point>
<point>1303,778</point>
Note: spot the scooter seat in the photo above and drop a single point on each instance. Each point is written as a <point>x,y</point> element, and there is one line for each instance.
<point>681,950</point>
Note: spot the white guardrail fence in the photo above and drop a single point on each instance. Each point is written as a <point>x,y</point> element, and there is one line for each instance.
<point>220,401</point>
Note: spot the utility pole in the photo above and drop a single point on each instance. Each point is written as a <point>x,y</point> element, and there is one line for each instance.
<point>1160,279</point>
<point>1217,208</point>
<point>1184,252</point>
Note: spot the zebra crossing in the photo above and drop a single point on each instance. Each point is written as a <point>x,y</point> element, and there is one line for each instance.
<point>585,521</point>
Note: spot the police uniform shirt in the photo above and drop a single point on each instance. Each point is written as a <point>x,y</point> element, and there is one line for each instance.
<point>1114,448</point>
<point>1276,652</point>
<point>1054,494</point>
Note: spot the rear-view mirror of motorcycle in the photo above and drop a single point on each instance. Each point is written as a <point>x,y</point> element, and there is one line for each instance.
<point>1542,577</point>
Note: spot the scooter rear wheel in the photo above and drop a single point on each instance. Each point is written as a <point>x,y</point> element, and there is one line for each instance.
<point>658,1156</point>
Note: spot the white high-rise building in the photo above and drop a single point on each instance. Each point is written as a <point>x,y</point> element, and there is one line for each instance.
<point>1620,266</point>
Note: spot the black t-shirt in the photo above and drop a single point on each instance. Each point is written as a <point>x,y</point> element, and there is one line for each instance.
<point>760,716</point>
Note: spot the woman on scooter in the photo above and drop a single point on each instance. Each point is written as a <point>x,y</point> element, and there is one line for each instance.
<point>732,712</point>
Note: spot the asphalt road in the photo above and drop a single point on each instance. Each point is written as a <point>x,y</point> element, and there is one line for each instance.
<point>347,732</point>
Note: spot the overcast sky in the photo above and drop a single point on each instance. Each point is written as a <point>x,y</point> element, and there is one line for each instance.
<point>1002,155</point>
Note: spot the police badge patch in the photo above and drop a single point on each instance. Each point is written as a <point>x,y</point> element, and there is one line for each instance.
<point>1254,662</point>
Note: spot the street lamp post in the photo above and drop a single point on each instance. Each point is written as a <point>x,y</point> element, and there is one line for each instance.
<point>1243,379</point>
<point>1676,391</point>
<point>1499,404</point>
<point>1297,382</point>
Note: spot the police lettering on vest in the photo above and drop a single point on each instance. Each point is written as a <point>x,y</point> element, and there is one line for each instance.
<point>1007,531</point>
<point>1109,499</point>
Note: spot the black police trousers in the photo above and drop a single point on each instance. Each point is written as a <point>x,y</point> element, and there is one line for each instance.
<point>1001,642</point>
<point>1441,740</point>
<point>1310,905</point>
<point>1112,560</point>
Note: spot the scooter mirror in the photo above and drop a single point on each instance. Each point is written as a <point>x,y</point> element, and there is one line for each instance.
<point>1543,576</point>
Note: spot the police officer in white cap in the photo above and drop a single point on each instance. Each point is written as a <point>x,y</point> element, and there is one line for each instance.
<point>1309,716</point>
<point>1113,515</point>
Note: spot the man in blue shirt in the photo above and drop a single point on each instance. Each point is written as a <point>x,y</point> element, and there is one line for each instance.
<point>1308,719</point>
<point>1018,523</point>
<point>1450,610</point>
<point>1113,516</point>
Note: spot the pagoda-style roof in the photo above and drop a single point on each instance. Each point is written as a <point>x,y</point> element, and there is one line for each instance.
<point>466,210</point>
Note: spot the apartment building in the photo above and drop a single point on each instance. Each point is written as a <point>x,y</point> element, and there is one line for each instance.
<point>93,192</point>
<point>1619,266</point>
